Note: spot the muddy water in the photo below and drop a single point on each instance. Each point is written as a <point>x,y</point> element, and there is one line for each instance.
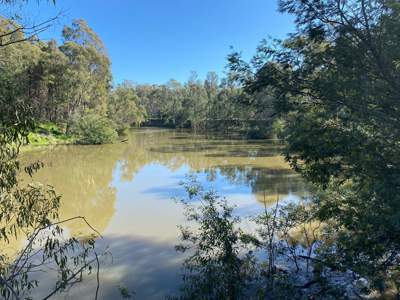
<point>126,192</point>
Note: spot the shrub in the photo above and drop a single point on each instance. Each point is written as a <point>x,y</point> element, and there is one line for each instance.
<point>94,129</point>
<point>277,260</point>
<point>218,265</point>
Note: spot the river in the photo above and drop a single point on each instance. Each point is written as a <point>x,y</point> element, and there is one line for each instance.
<point>126,191</point>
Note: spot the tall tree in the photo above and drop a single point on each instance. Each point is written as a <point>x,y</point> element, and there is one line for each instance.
<point>88,69</point>
<point>336,82</point>
<point>29,211</point>
<point>124,107</point>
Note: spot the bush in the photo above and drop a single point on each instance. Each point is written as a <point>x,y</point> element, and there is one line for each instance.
<point>48,128</point>
<point>94,129</point>
<point>275,259</point>
<point>218,266</point>
<point>48,134</point>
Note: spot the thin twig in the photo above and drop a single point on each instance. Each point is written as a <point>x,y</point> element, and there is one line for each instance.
<point>97,275</point>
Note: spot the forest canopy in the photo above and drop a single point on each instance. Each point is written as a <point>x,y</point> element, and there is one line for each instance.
<point>336,85</point>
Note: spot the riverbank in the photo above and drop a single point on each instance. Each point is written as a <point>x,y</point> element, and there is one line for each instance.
<point>49,134</point>
<point>46,134</point>
<point>250,129</point>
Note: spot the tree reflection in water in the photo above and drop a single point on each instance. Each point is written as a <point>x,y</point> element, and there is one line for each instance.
<point>124,189</point>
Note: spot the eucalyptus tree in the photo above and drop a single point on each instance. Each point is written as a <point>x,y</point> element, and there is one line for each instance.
<point>336,84</point>
<point>124,107</point>
<point>195,102</point>
<point>51,67</point>
<point>211,86</point>
<point>29,210</point>
<point>88,72</point>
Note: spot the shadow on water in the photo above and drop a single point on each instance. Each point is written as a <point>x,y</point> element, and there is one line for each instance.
<point>151,269</point>
<point>246,153</point>
<point>125,189</point>
<point>165,192</point>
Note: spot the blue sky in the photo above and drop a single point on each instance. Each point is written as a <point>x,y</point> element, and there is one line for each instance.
<point>152,41</point>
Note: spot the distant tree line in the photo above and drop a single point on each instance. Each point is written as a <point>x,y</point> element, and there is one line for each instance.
<point>71,85</point>
<point>210,104</point>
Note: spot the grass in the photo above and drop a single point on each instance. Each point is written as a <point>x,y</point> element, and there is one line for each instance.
<point>49,134</point>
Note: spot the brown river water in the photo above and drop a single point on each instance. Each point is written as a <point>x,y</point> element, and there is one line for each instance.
<point>126,191</point>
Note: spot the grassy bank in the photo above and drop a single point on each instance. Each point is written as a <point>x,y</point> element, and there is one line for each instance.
<point>91,129</point>
<point>49,134</point>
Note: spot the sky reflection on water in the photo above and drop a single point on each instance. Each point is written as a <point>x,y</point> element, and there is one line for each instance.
<point>126,191</point>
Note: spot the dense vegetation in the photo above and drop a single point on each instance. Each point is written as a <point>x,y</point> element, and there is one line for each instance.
<point>69,81</point>
<point>330,91</point>
<point>29,211</point>
<point>335,86</point>
<point>209,105</point>
<point>334,89</point>
<point>69,84</point>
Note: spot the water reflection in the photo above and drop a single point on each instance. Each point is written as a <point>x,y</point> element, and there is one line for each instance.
<point>83,176</point>
<point>124,190</point>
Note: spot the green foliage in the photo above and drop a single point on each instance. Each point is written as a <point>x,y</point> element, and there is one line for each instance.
<point>63,80</point>
<point>217,268</point>
<point>87,71</point>
<point>29,211</point>
<point>221,263</point>
<point>331,90</point>
<point>336,87</point>
<point>40,139</point>
<point>92,128</point>
<point>211,105</point>
<point>124,107</point>
<point>48,134</point>
<point>278,128</point>
<point>59,81</point>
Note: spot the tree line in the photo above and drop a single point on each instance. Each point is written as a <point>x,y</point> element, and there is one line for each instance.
<point>212,104</point>
<point>29,211</point>
<point>70,85</point>
<point>331,93</point>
